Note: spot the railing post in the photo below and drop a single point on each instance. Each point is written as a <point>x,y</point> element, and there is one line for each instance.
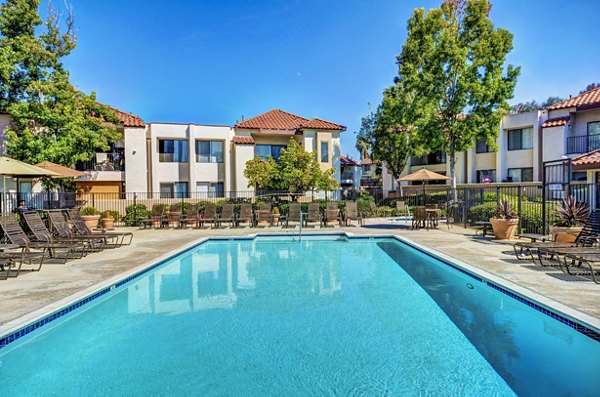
<point>135,219</point>
<point>519,209</point>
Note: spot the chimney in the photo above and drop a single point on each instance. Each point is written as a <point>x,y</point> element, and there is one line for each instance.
<point>242,118</point>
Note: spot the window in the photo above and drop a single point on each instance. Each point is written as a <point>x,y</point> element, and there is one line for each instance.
<point>210,189</point>
<point>367,168</point>
<point>486,176</point>
<point>263,151</point>
<point>172,151</point>
<point>482,147</point>
<point>520,175</point>
<point>593,128</point>
<point>579,176</point>
<point>174,190</point>
<point>429,159</point>
<point>324,152</point>
<point>520,139</point>
<point>209,151</point>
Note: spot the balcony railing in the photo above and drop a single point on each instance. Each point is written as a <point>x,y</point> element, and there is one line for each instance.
<point>583,143</point>
<point>103,162</point>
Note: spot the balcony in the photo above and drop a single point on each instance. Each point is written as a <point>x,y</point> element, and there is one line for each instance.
<point>583,143</point>
<point>347,178</point>
<point>114,161</point>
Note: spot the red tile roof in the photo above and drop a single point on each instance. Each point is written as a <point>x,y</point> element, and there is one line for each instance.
<point>556,122</point>
<point>587,100</point>
<point>129,120</point>
<point>279,120</point>
<point>588,160</point>
<point>348,161</point>
<point>243,140</point>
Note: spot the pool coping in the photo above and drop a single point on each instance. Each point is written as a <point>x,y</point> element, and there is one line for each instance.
<point>579,321</point>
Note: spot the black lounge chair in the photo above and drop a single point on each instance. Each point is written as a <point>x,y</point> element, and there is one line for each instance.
<point>60,251</point>
<point>60,226</point>
<point>41,233</point>
<point>121,238</point>
<point>209,215</point>
<point>591,261</point>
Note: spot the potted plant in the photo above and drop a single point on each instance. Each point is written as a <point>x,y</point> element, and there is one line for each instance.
<point>275,215</point>
<point>570,218</point>
<point>505,223</point>
<point>90,216</point>
<point>108,218</point>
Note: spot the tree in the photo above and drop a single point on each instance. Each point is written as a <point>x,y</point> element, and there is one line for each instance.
<point>534,105</point>
<point>50,119</point>
<point>296,171</point>
<point>589,87</point>
<point>452,64</point>
<point>386,133</point>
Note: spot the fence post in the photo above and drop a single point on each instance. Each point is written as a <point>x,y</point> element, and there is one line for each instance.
<point>135,220</point>
<point>497,193</point>
<point>519,209</point>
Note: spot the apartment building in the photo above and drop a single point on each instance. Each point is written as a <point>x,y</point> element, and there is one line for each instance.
<point>192,160</point>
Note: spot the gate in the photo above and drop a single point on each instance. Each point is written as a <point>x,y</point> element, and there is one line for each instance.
<point>556,186</point>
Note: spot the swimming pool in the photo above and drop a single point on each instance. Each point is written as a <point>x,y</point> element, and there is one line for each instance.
<point>322,316</point>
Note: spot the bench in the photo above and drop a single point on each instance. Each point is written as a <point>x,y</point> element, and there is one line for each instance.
<point>484,227</point>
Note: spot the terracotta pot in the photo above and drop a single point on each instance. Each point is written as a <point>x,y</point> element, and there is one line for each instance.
<point>108,223</point>
<point>156,221</point>
<point>91,221</point>
<point>564,234</point>
<point>504,229</point>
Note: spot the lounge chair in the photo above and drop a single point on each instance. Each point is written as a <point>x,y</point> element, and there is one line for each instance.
<point>228,214</point>
<point>314,214</point>
<point>351,214</point>
<point>60,251</point>
<point>173,216</point>
<point>156,217</point>
<point>582,260</point>
<point>209,215</point>
<point>245,215</point>
<point>332,214</point>
<point>41,233</point>
<point>13,261</point>
<point>60,226</point>
<point>294,214</point>
<point>122,238</point>
<point>589,235</point>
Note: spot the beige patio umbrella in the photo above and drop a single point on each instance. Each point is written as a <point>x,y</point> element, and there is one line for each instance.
<point>423,175</point>
<point>12,167</point>
<point>60,170</point>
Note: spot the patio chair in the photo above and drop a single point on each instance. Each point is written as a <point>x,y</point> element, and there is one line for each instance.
<point>402,209</point>
<point>263,214</point>
<point>332,214</point>
<point>245,215</point>
<point>420,218</point>
<point>209,215</point>
<point>59,225</point>
<point>314,214</point>
<point>41,233</point>
<point>227,214</point>
<point>352,214</point>
<point>59,251</point>
<point>155,217</point>
<point>122,238</point>
<point>173,216</point>
<point>13,261</point>
<point>190,218</point>
<point>294,214</point>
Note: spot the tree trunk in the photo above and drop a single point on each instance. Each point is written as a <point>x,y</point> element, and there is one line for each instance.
<point>453,176</point>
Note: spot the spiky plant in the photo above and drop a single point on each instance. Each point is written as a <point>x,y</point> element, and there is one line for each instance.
<point>571,213</point>
<point>505,211</point>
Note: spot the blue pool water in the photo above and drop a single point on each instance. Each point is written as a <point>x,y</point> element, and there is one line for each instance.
<point>319,317</point>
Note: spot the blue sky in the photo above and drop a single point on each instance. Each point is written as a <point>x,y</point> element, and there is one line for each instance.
<point>210,62</point>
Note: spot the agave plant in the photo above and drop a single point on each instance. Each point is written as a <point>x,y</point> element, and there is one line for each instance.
<point>571,213</point>
<point>505,211</point>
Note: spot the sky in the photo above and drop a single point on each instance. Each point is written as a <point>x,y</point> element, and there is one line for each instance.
<point>212,61</point>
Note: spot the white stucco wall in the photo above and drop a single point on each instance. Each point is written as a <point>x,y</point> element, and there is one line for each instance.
<point>553,143</point>
<point>581,120</point>
<point>136,160</point>
<point>241,154</point>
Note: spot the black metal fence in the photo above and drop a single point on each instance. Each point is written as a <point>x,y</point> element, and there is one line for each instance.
<point>467,206</point>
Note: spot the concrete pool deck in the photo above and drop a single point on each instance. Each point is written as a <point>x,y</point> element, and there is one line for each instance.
<point>33,294</point>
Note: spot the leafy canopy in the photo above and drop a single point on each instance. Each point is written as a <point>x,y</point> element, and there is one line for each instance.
<point>452,66</point>
<point>297,171</point>
<point>51,119</point>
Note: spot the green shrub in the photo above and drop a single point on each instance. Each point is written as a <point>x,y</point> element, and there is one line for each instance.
<point>482,212</point>
<point>112,214</point>
<point>137,210</point>
<point>89,211</point>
